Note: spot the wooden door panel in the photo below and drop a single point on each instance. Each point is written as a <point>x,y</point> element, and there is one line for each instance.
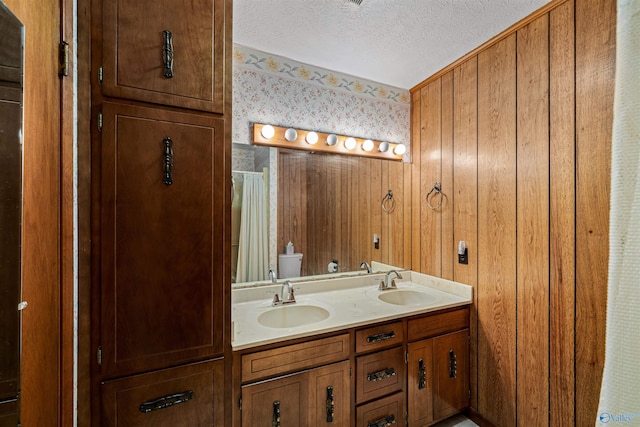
<point>329,397</point>
<point>451,374</point>
<point>420,383</point>
<point>284,398</point>
<point>134,52</point>
<point>160,293</point>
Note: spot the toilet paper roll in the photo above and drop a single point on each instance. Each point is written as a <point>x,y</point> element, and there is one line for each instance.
<point>332,267</point>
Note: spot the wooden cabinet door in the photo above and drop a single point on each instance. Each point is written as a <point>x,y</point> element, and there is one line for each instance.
<point>282,401</point>
<point>451,373</point>
<point>162,297</point>
<point>420,383</point>
<point>166,52</point>
<point>185,396</point>
<point>329,395</point>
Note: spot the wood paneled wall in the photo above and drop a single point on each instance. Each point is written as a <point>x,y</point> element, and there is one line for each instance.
<point>329,206</point>
<point>519,135</point>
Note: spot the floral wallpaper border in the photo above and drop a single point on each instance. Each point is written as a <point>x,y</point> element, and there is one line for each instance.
<point>256,60</point>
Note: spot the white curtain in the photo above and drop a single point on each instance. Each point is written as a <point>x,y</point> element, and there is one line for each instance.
<point>253,247</point>
<point>620,393</point>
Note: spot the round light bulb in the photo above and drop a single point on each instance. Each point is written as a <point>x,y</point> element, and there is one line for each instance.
<point>290,134</point>
<point>311,138</point>
<point>332,140</point>
<point>268,131</point>
<point>384,147</point>
<point>350,143</point>
<point>367,145</point>
<point>400,149</point>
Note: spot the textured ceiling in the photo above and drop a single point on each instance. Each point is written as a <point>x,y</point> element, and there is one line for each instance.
<point>395,42</point>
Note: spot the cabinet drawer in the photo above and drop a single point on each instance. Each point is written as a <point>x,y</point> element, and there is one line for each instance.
<point>166,52</point>
<point>438,324</point>
<point>187,395</point>
<point>294,357</point>
<point>379,337</point>
<point>382,412</point>
<point>379,373</point>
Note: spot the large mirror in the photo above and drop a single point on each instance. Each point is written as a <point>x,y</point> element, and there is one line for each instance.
<point>11,54</point>
<point>308,214</point>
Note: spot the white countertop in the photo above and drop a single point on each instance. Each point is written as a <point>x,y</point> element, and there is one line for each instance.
<point>351,302</point>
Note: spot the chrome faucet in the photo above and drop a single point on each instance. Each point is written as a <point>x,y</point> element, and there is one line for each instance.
<point>365,264</point>
<point>287,296</point>
<point>385,285</point>
<point>272,276</point>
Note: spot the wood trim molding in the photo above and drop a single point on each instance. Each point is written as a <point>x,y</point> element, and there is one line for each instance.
<point>506,33</point>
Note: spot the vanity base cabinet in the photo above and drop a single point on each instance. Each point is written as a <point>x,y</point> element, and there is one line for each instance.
<point>317,397</point>
<point>189,395</point>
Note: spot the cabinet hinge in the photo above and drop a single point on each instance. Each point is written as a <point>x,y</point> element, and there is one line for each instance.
<point>63,58</point>
<point>99,355</point>
<point>99,122</point>
<point>100,75</point>
<point>469,394</point>
<point>350,372</point>
<point>406,357</point>
<point>240,403</point>
<point>406,418</point>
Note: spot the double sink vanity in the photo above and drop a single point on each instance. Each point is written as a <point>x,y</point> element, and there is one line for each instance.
<point>377,349</point>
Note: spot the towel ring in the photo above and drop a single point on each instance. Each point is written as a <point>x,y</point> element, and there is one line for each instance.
<point>388,202</point>
<point>435,191</point>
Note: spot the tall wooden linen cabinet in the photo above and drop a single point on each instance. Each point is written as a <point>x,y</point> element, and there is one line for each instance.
<point>161,107</point>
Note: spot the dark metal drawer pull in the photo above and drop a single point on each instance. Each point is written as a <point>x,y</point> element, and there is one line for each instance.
<point>167,53</point>
<point>167,162</point>
<point>422,375</point>
<point>381,375</point>
<point>330,404</point>
<point>383,422</point>
<point>381,337</point>
<point>275,420</point>
<point>166,401</point>
<point>453,364</point>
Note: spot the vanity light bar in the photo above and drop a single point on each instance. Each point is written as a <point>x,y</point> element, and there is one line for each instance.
<point>276,136</point>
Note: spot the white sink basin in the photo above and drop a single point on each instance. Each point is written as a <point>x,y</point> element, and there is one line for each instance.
<point>406,297</point>
<point>289,316</point>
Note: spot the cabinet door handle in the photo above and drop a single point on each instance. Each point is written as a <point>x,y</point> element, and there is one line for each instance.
<point>422,375</point>
<point>453,364</point>
<point>383,336</point>
<point>167,166</point>
<point>275,420</point>
<point>383,422</point>
<point>330,404</point>
<point>381,375</point>
<point>167,53</point>
<point>166,401</point>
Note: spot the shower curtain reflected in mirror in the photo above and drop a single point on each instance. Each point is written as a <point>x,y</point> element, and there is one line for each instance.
<point>251,234</point>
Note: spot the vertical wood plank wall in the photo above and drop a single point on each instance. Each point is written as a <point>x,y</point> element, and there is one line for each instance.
<point>519,134</point>
<point>496,289</point>
<point>330,206</point>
